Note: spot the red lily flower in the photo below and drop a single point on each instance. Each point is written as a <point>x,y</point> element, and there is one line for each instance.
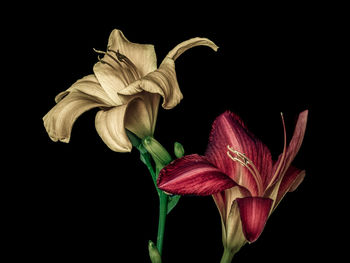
<point>238,171</point>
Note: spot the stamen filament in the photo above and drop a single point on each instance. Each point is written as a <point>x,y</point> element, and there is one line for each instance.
<point>247,163</point>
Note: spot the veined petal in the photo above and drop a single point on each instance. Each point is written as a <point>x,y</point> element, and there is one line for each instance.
<point>193,42</point>
<point>282,164</point>
<point>254,212</point>
<point>142,55</point>
<point>59,120</point>
<point>163,80</point>
<point>110,126</point>
<point>113,76</point>
<point>193,174</point>
<point>88,85</point>
<point>288,183</point>
<point>235,238</point>
<point>141,114</point>
<point>229,130</point>
<point>224,199</point>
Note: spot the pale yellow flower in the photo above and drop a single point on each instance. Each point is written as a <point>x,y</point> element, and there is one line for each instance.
<point>126,86</point>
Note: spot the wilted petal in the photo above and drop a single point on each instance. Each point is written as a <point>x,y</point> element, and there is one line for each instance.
<point>228,129</point>
<point>59,120</point>
<point>110,127</point>
<point>88,85</point>
<point>193,174</point>
<point>163,80</point>
<point>142,56</point>
<point>254,212</point>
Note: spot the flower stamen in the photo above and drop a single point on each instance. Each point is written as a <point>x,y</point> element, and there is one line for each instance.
<point>242,159</point>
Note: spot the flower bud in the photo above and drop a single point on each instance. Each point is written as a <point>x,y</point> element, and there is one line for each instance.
<point>178,150</point>
<point>154,253</point>
<point>158,152</point>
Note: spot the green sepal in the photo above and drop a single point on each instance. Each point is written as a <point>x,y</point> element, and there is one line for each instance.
<point>159,154</point>
<point>154,253</point>
<point>135,141</point>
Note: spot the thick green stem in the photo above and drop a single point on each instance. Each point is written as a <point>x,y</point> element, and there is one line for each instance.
<point>227,256</point>
<point>163,207</point>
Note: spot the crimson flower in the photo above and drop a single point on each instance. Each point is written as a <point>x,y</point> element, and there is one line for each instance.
<point>238,171</point>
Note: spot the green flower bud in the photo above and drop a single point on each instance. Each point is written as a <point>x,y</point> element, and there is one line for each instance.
<point>178,150</point>
<point>158,152</point>
<point>154,253</point>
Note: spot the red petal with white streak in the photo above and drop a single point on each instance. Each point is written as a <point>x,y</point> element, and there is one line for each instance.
<point>193,174</point>
<point>254,212</point>
<point>228,129</point>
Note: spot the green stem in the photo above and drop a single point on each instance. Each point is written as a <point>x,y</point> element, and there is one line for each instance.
<point>163,207</point>
<point>227,256</point>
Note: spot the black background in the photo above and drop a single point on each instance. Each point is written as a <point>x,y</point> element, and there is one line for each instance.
<point>82,202</point>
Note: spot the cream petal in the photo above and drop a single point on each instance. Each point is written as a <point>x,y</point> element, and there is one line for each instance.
<point>193,42</point>
<point>141,114</point>
<point>112,77</point>
<point>59,120</point>
<point>110,126</point>
<point>88,85</point>
<point>235,238</point>
<point>142,56</point>
<point>163,80</point>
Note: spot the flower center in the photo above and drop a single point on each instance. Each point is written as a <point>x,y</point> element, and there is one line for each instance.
<point>122,61</point>
<point>243,160</point>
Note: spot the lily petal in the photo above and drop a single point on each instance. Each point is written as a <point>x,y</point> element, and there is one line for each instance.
<point>235,238</point>
<point>88,85</point>
<point>59,120</point>
<point>288,183</point>
<point>163,80</point>
<point>142,56</point>
<point>193,174</point>
<point>141,114</point>
<point>113,76</point>
<point>224,199</point>
<point>293,147</point>
<point>229,130</point>
<point>110,127</point>
<point>254,212</point>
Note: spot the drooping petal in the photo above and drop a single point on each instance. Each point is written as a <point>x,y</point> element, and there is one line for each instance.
<point>254,212</point>
<point>288,183</point>
<point>142,56</point>
<point>59,120</point>
<point>141,114</point>
<point>282,164</point>
<point>88,85</point>
<point>190,43</point>
<point>193,174</point>
<point>110,126</point>
<point>229,130</point>
<point>163,80</point>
